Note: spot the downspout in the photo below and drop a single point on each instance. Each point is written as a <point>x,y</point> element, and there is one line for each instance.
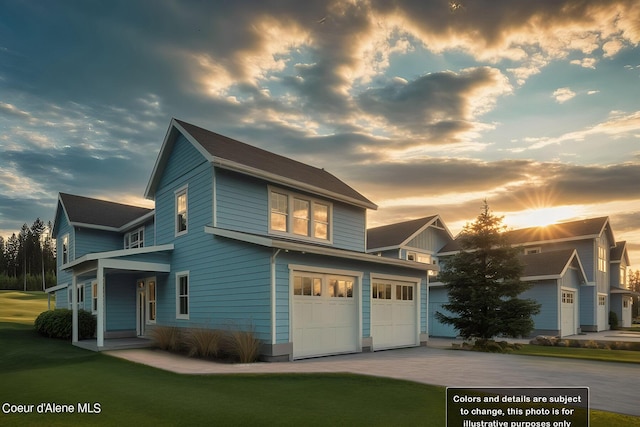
<point>273,295</point>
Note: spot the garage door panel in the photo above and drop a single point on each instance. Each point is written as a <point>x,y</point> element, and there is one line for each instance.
<point>568,313</point>
<point>393,314</point>
<point>325,321</point>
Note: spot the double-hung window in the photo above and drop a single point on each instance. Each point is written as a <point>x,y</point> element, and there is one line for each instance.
<point>182,208</point>
<point>299,216</point>
<point>134,239</point>
<point>65,249</point>
<point>182,295</point>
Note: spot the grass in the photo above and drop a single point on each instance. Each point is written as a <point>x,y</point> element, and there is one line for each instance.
<point>22,307</point>
<point>623,356</point>
<point>36,370</point>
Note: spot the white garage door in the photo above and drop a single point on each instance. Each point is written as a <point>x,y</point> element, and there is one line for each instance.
<point>602,313</point>
<point>568,314</point>
<point>393,314</point>
<point>325,315</point>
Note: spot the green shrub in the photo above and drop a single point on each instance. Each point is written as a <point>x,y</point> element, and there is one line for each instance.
<point>203,342</point>
<point>167,338</point>
<point>58,323</point>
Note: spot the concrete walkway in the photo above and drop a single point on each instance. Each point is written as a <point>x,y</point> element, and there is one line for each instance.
<point>613,386</point>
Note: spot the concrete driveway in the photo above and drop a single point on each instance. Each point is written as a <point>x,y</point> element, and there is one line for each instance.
<point>613,386</point>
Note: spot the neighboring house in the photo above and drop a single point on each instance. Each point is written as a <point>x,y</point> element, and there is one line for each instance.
<point>570,266</point>
<point>239,238</point>
<point>621,294</point>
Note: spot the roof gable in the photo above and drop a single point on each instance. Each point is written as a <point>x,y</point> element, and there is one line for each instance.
<point>399,234</point>
<point>551,264</point>
<point>619,253</point>
<point>101,214</point>
<point>234,155</point>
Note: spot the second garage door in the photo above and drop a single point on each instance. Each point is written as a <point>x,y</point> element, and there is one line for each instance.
<point>393,314</point>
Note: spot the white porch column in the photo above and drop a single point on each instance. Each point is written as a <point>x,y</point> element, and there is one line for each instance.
<point>100,312</point>
<point>74,309</point>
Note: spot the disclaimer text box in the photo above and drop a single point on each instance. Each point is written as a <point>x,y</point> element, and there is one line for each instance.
<point>518,407</point>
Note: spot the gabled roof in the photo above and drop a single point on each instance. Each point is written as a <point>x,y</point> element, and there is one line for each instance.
<point>550,265</point>
<point>573,230</point>
<point>234,155</point>
<point>99,214</point>
<point>566,231</point>
<point>619,253</point>
<point>399,234</point>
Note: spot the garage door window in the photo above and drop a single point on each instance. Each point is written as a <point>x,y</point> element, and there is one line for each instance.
<point>341,288</point>
<point>381,291</point>
<point>567,297</point>
<point>309,286</point>
<point>404,292</point>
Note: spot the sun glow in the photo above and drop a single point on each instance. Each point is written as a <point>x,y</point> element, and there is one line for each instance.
<point>541,216</point>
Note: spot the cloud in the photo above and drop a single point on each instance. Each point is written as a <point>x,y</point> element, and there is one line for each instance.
<point>563,94</point>
<point>439,106</point>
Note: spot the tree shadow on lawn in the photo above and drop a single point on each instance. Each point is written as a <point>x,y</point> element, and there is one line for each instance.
<point>22,348</point>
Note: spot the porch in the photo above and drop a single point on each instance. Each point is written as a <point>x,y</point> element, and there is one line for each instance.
<point>115,343</point>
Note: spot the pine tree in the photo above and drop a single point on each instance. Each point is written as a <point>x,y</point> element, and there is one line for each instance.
<point>483,281</point>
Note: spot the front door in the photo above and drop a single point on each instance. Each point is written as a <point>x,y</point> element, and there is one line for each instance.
<point>145,304</point>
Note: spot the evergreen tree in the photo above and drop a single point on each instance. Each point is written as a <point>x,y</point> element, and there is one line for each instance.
<point>483,281</point>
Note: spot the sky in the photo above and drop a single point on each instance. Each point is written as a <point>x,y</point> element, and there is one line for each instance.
<point>424,106</point>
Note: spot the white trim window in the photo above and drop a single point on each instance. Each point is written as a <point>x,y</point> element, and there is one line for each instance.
<point>299,216</point>
<point>419,257</point>
<point>65,249</point>
<point>529,251</point>
<point>151,301</point>
<point>182,210</point>
<point>602,259</point>
<point>134,239</point>
<point>182,295</point>
<point>80,297</point>
<point>94,297</point>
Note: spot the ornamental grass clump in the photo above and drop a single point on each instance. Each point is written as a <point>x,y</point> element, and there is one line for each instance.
<point>242,346</point>
<point>204,343</point>
<point>167,338</point>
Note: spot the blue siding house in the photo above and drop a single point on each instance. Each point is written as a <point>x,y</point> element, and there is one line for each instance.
<point>576,269</point>
<point>239,238</point>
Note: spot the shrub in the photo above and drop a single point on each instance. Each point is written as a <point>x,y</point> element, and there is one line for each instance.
<point>242,346</point>
<point>613,320</point>
<point>58,323</point>
<point>166,338</point>
<point>203,342</point>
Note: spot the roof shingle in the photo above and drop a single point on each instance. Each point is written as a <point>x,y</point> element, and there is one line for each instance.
<point>85,210</point>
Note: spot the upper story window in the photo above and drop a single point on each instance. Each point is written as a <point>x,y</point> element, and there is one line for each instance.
<point>182,207</point>
<point>623,277</point>
<point>528,251</point>
<point>299,215</point>
<point>65,249</point>
<point>418,257</point>
<point>134,239</point>
<point>602,259</point>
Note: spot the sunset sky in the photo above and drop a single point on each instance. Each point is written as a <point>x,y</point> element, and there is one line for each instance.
<point>425,106</point>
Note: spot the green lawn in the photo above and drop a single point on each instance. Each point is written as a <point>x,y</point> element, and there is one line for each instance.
<point>37,370</point>
<point>22,307</point>
<point>624,356</point>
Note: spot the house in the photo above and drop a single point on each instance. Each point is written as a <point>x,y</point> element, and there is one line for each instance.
<point>239,238</point>
<point>621,294</point>
<point>569,265</point>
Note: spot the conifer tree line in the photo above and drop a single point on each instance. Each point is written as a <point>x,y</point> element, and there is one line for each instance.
<point>28,256</point>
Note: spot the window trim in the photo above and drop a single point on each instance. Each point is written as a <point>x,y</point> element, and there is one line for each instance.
<point>94,297</point>
<point>179,295</point>
<point>150,301</point>
<point>290,217</point>
<point>178,193</point>
<point>533,250</point>
<point>64,249</point>
<point>127,238</point>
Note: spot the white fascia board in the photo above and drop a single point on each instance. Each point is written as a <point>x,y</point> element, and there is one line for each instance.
<point>383,248</point>
<point>237,167</point>
<point>137,221</point>
<point>318,250</point>
<point>56,288</point>
<point>113,254</point>
<point>536,278</point>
